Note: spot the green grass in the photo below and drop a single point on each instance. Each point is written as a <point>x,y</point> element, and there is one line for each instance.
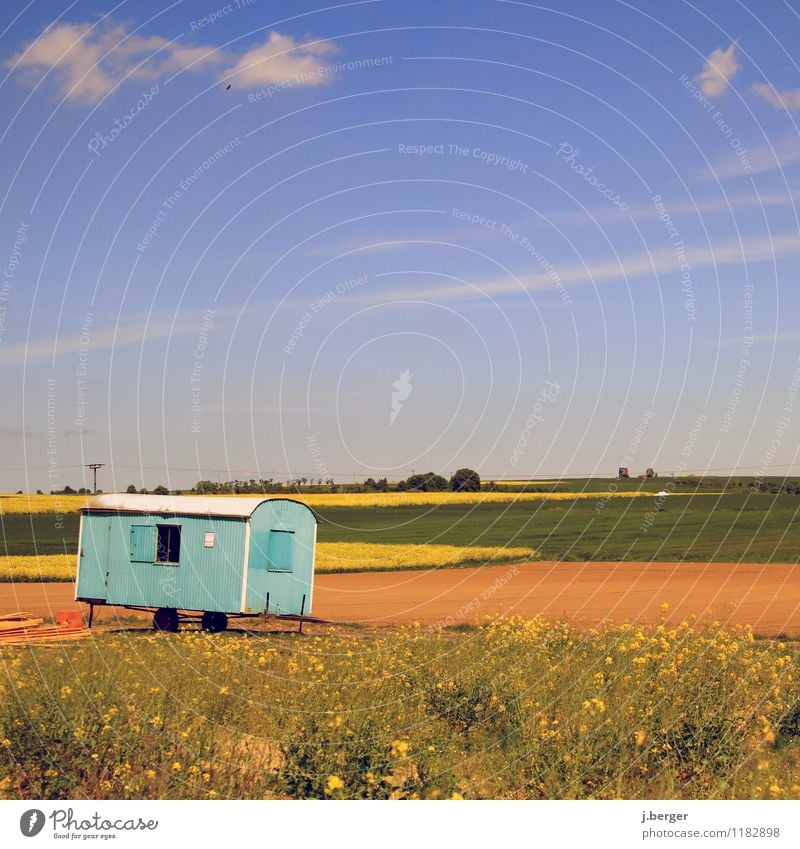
<point>39,533</point>
<point>688,484</point>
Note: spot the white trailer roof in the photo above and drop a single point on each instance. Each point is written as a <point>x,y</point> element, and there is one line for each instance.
<point>236,506</point>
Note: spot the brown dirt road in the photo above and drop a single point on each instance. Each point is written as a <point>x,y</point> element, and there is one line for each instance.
<point>764,596</point>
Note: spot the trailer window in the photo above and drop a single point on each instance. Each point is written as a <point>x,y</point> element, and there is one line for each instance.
<point>168,546</point>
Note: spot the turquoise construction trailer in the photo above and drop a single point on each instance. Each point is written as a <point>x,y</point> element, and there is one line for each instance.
<point>209,556</point>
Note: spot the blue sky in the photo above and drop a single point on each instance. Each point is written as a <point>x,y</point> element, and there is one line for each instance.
<point>230,229</point>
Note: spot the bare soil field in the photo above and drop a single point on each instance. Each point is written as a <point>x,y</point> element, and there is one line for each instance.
<point>764,596</point>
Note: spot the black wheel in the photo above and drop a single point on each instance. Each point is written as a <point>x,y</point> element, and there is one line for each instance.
<point>166,619</point>
<point>214,622</point>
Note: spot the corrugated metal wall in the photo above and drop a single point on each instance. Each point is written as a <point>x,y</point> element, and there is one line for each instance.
<point>204,579</point>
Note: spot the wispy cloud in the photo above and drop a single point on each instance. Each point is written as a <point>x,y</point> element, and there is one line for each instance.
<point>18,432</point>
<point>87,61</point>
<point>137,330</point>
<point>721,66</point>
<point>103,338</point>
<point>787,98</point>
<point>663,261</point>
<point>771,339</point>
<point>686,205</point>
<point>778,156</point>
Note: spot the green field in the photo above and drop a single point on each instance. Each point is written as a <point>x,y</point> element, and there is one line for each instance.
<point>39,533</point>
<point>737,525</point>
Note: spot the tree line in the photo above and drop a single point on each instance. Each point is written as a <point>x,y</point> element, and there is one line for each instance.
<point>463,480</point>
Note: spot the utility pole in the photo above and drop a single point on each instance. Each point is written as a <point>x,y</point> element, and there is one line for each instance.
<point>94,467</point>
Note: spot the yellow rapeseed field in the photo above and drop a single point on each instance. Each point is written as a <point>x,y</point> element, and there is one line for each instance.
<point>400,499</point>
<point>44,567</point>
<point>374,557</point>
<point>331,557</point>
<point>11,504</point>
<point>512,709</point>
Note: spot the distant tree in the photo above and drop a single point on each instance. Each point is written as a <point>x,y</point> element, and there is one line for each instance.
<point>206,486</point>
<point>39,492</point>
<point>429,482</point>
<point>68,490</point>
<point>465,480</point>
<point>143,491</point>
<point>19,492</point>
<point>160,490</point>
<point>131,488</point>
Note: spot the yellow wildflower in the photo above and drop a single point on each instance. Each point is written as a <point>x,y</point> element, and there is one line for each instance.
<point>333,784</point>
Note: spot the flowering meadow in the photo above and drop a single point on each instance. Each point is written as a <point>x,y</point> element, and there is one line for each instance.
<point>510,709</point>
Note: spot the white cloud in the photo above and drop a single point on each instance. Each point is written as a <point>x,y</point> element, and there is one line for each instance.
<point>282,59</point>
<point>720,67</point>
<point>88,60</point>
<point>72,56</point>
<point>788,98</point>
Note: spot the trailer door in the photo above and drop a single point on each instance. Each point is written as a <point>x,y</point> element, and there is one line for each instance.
<point>94,556</point>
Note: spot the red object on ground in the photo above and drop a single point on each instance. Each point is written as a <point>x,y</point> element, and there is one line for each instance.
<point>69,618</point>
